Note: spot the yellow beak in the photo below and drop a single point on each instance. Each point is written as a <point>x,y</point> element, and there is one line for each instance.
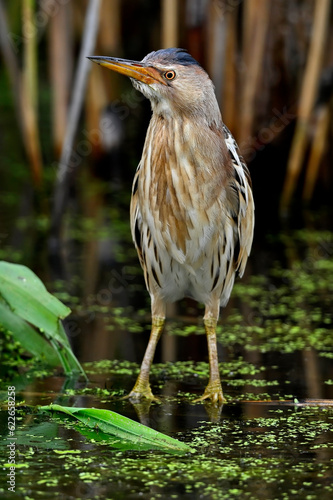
<point>133,69</point>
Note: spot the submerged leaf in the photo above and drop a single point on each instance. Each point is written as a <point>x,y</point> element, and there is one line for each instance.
<point>132,435</point>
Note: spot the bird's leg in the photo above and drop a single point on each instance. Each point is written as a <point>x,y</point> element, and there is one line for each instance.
<point>214,387</point>
<point>213,390</point>
<point>142,388</point>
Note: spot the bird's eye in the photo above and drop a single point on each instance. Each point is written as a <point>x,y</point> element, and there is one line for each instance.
<point>169,75</point>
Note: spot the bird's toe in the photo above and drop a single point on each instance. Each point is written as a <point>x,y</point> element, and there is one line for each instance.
<point>213,392</point>
<point>141,392</point>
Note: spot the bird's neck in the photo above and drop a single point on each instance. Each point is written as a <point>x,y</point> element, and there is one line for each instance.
<point>205,114</point>
<point>188,147</point>
<point>197,138</point>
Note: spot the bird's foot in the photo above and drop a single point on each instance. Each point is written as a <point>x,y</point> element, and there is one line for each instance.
<point>140,392</point>
<point>213,392</point>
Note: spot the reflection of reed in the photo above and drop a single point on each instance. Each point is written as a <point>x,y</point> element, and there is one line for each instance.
<point>311,370</point>
<point>312,376</point>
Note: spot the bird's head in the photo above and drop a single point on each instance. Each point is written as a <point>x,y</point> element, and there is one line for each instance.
<point>172,80</point>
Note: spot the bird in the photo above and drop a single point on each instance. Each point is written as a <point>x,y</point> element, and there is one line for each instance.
<point>192,208</point>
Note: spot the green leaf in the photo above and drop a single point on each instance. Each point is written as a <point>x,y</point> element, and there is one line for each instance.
<point>132,435</point>
<point>66,355</point>
<point>28,298</point>
<point>29,339</point>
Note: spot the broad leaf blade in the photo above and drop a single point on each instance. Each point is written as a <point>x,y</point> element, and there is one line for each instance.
<point>29,339</point>
<point>29,299</point>
<point>122,427</point>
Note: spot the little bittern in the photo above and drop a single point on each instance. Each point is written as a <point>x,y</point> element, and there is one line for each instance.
<point>192,211</point>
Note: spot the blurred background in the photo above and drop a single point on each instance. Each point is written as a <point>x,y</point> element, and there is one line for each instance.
<point>71,134</point>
